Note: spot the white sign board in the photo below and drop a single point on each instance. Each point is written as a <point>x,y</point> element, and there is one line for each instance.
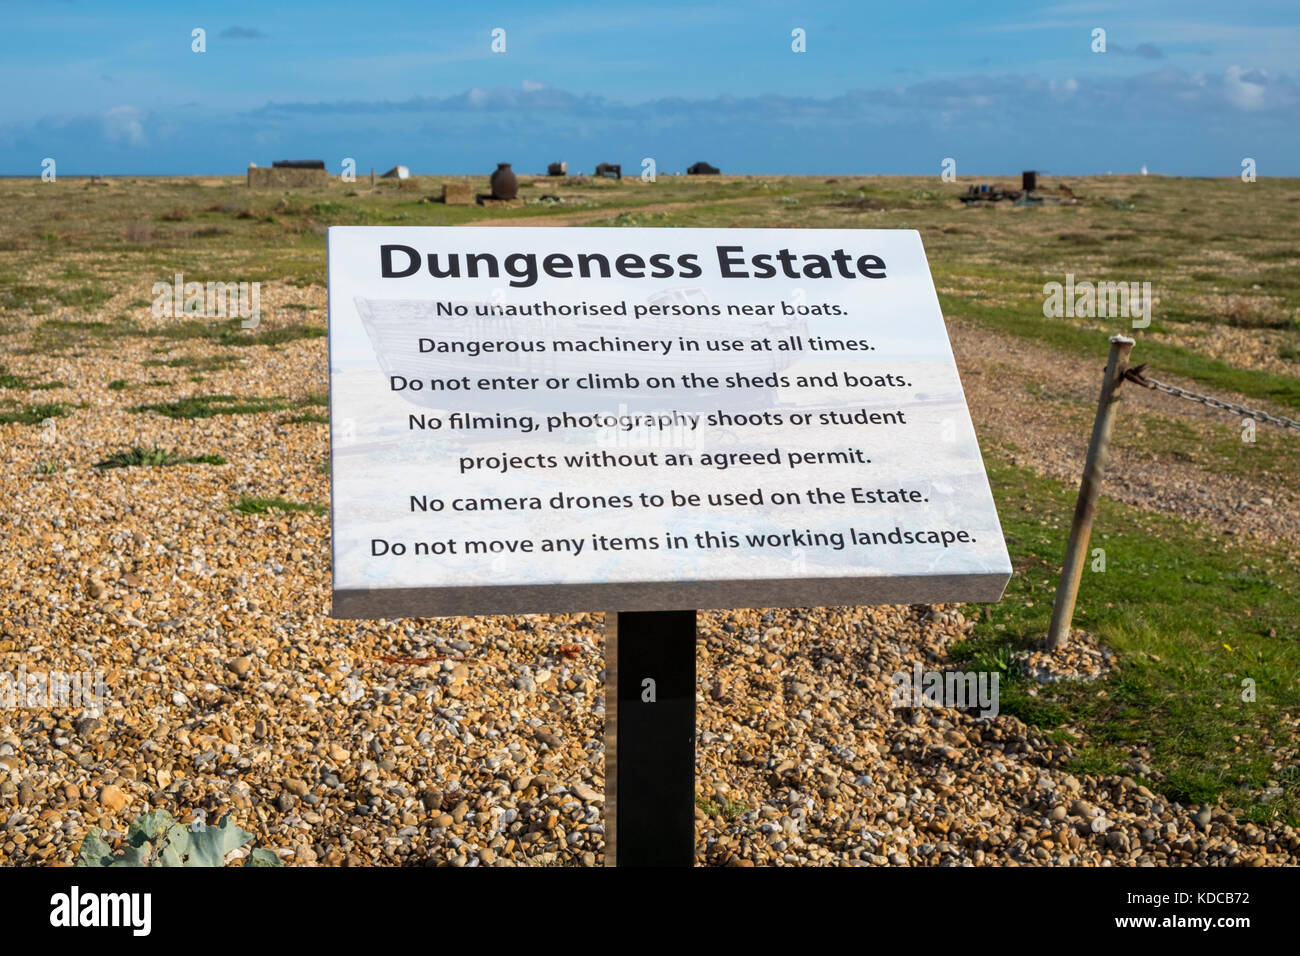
<point>563,419</point>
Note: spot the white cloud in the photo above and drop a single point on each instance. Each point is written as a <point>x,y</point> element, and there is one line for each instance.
<point>1244,89</point>
<point>532,86</point>
<point>1169,93</point>
<point>123,124</point>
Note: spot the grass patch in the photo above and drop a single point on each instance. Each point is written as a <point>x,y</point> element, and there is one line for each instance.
<point>83,297</point>
<point>156,456</point>
<point>59,335</point>
<point>1163,357</point>
<point>1190,617</point>
<point>1079,239</point>
<point>213,363</point>
<point>307,418</point>
<point>328,209</point>
<point>260,506</point>
<point>9,380</point>
<point>207,406</point>
<point>15,414</point>
<point>730,811</point>
<point>230,332</point>
<point>18,296</point>
<point>1218,448</point>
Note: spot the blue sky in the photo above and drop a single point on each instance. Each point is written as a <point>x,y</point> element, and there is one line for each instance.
<point>1187,88</point>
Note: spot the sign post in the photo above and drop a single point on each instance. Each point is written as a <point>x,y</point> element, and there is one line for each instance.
<point>647,420</point>
<point>650,738</point>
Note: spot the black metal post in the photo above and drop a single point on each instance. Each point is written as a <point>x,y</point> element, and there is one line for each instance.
<point>650,738</point>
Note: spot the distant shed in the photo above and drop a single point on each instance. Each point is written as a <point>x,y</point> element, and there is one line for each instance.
<point>289,174</point>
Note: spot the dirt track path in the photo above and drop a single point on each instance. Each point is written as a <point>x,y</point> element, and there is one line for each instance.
<point>1051,430</point>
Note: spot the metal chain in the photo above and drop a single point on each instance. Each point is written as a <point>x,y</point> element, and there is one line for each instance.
<point>1135,376</point>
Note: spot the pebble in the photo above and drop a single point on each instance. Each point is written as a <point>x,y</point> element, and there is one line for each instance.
<point>112,798</point>
<point>473,741</point>
<point>1082,808</point>
<point>586,794</point>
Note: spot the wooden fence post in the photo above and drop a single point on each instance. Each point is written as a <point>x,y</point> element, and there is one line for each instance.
<point>1076,551</point>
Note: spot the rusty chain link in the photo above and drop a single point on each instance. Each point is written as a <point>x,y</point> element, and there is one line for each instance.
<point>1135,376</point>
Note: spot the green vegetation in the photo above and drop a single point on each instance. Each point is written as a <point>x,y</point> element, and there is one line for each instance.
<point>213,363</point>
<point>9,380</point>
<point>1216,448</point>
<point>156,839</point>
<point>19,296</point>
<point>1190,617</point>
<point>259,506</point>
<point>730,811</point>
<point>39,299</point>
<point>1211,260</point>
<point>307,418</point>
<point>231,332</point>
<point>206,406</point>
<point>58,336</point>
<point>1165,359</point>
<point>155,456</point>
<point>13,413</point>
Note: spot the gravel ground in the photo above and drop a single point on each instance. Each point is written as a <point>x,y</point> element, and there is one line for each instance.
<point>478,741</point>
